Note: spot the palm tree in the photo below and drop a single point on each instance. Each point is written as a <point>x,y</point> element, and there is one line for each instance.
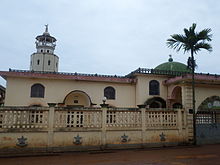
<point>192,42</point>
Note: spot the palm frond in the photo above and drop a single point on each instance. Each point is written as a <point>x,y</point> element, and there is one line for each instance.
<point>204,35</point>
<point>186,31</point>
<point>176,41</point>
<point>202,45</point>
<point>192,28</point>
<point>191,40</point>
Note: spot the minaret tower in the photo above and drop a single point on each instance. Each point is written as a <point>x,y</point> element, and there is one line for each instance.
<point>44,59</point>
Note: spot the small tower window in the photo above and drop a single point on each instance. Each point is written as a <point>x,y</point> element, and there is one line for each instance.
<point>38,62</point>
<point>48,62</point>
<point>41,50</point>
<point>48,51</point>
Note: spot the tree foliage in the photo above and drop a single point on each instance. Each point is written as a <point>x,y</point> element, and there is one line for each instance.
<point>191,41</point>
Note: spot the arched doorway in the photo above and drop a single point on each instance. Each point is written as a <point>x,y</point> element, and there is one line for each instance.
<point>210,103</point>
<point>176,98</point>
<point>208,121</point>
<point>155,102</point>
<point>77,98</point>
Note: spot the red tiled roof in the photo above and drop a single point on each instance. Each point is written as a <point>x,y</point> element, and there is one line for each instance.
<point>66,76</point>
<point>209,78</point>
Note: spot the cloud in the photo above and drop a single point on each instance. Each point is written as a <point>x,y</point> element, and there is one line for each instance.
<point>110,37</point>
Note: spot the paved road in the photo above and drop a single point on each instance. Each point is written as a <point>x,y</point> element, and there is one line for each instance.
<point>201,155</point>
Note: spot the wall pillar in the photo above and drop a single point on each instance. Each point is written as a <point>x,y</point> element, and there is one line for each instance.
<point>180,120</point>
<point>143,125</point>
<point>142,108</point>
<point>104,121</point>
<point>51,124</point>
<point>187,104</point>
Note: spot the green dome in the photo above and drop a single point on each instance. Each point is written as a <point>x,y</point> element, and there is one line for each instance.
<point>173,66</point>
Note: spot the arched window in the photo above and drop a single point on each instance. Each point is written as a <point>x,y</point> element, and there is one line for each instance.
<point>38,62</point>
<point>109,93</point>
<point>154,87</point>
<point>37,90</point>
<point>48,62</point>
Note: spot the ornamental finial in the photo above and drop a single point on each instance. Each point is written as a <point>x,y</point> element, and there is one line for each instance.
<point>170,59</point>
<point>46,29</point>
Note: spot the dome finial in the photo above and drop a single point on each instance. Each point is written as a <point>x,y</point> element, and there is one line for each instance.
<point>170,59</point>
<point>46,29</point>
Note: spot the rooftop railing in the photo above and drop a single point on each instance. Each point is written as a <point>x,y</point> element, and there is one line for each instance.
<point>66,73</point>
<point>130,75</point>
<point>165,72</point>
<point>157,72</point>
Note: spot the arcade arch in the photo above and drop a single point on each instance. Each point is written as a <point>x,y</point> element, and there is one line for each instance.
<point>77,98</point>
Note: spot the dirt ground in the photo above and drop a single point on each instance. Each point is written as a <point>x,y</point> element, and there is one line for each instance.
<point>199,155</point>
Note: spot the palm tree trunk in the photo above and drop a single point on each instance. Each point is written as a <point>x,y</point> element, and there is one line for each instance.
<point>193,98</point>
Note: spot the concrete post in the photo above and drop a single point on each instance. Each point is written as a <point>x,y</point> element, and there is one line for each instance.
<point>51,124</point>
<point>104,120</point>
<point>180,121</point>
<point>143,125</point>
<point>142,108</point>
<point>187,103</point>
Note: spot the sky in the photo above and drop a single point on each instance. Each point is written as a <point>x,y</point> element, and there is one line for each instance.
<point>112,37</point>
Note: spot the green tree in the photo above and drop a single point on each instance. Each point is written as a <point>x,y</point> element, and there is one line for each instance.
<point>192,42</point>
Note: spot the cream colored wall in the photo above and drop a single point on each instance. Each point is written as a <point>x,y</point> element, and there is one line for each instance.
<point>82,99</point>
<point>204,92</point>
<point>18,92</point>
<point>142,88</point>
<point>201,93</point>
<point>127,95</point>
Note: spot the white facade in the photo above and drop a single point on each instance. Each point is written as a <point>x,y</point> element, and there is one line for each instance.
<point>44,62</point>
<point>44,59</point>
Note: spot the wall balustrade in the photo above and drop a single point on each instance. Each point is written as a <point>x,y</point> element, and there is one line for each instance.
<point>23,118</point>
<point>32,118</point>
<point>161,119</point>
<point>78,119</point>
<point>69,128</point>
<point>123,119</point>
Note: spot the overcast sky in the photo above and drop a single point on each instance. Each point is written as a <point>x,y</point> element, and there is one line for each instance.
<point>106,36</point>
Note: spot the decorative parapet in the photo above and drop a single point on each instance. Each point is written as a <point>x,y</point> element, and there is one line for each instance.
<point>156,71</point>
<point>176,76</point>
<point>64,75</point>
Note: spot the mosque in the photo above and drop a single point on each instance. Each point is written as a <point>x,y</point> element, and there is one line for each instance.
<point>166,86</point>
